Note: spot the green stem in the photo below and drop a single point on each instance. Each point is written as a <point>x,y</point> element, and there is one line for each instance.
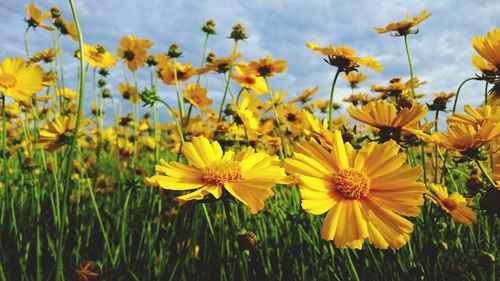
<point>352,268</point>
<point>4,145</point>
<point>180,100</point>
<point>485,93</point>
<point>410,65</point>
<point>330,103</point>
<point>224,95</point>
<point>178,125</point>
<point>26,43</point>
<point>436,149</point>
<point>278,123</point>
<point>235,243</point>
<point>203,54</point>
<point>485,173</point>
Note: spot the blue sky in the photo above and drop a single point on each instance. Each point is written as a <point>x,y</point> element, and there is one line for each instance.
<point>441,51</point>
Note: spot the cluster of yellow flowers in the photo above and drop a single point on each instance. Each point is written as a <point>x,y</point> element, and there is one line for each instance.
<point>364,177</point>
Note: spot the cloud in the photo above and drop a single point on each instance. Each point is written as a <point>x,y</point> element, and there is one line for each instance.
<point>441,51</point>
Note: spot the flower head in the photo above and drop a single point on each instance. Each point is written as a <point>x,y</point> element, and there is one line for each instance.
<point>246,77</point>
<point>267,66</point>
<point>454,204</point>
<point>59,132</point>
<point>36,18</point>
<point>357,189</point>
<point>197,96</point>
<point>345,58</point>
<point>355,78</point>
<point>488,46</point>
<point>170,71</point>
<point>134,51</point>
<point>387,119</point>
<point>46,55</point>
<point>247,175</point>
<point>220,65</point>
<point>98,56</point>
<point>20,79</point>
<point>404,27</point>
<point>129,92</point>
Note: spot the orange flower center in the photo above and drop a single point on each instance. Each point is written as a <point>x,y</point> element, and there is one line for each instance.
<point>221,172</point>
<point>449,204</point>
<point>7,80</point>
<point>351,184</point>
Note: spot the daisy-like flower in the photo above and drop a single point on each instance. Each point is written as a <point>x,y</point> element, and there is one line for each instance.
<point>129,92</point>
<point>454,204</point>
<point>305,96</point>
<point>466,139</point>
<point>247,175</point>
<point>59,132</point>
<point>46,55</point>
<point>440,100</point>
<point>197,96</point>
<point>134,51</point>
<point>49,79</point>
<point>168,70</point>
<point>396,87</point>
<point>358,99</point>
<point>67,94</point>
<point>345,58</point>
<point>488,46</point>
<point>365,193</point>
<point>481,64</point>
<point>69,28</point>
<point>245,114</point>
<point>475,116</point>
<point>355,78</point>
<point>267,66</point>
<point>98,56</point>
<point>403,28</point>
<point>219,65</point>
<point>246,77</point>
<point>20,79</point>
<point>385,117</point>
<point>36,18</point>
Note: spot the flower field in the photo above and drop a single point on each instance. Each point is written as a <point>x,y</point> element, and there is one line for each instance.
<point>252,185</point>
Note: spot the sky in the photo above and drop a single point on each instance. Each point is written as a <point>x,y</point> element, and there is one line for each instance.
<point>441,51</point>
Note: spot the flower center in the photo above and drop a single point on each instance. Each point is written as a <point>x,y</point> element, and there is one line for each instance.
<point>7,80</point>
<point>449,204</point>
<point>129,55</point>
<point>351,184</point>
<point>221,172</point>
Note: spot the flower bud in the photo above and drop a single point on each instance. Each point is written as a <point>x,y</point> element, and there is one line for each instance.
<point>209,27</point>
<point>174,51</point>
<point>238,32</point>
<point>485,259</point>
<point>248,240</point>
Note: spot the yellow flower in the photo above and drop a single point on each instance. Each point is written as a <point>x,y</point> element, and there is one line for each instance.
<point>402,28</point>
<point>19,79</point>
<point>134,51</point>
<point>59,132</point>
<point>69,28</point>
<point>355,78</point>
<point>396,88</point>
<point>49,79</point>
<point>496,170</point>
<point>220,65</point>
<point>267,66</point>
<point>365,193</point>
<point>475,117</point>
<point>384,116</point>
<point>245,77</point>
<point>98,56</point>
<point>358,99</point>
<point>248,176</point>
<point>197,96</point>
<point>129,92</point>
<point>245,114</point>
<point>488,46</point>
<point>467,138</point>
<point>67,94</point>
<point>305,96</point>
<point>483,65</point>
<point>46,55</point>
<point>168,71</point>
<point>36,18</point>
<point>345,58</point>
<point>454,204</point>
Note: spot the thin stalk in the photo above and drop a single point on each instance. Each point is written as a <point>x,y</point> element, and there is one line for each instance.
<point>485,173</point>
<point>178,125</point>
<point>351,267</point>
<point>224,95</point>
<point>410,65</point>
<point>203,54</point>
<point>436,150</point>
<point>234,238</point>
<point>485,93</point>
<point>278,123</point>
<point>330,103</point>
<point>60,246</point>
<point>180,100</point>
<point>26,43</point>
